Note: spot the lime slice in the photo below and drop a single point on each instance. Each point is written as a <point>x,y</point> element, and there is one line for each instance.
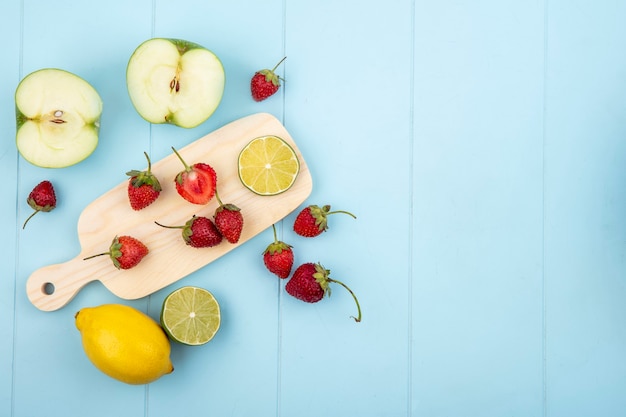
<point>268,165</point>
<point>190,315</point>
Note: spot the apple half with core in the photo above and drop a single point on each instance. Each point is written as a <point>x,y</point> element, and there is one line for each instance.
<point>58,118</point>
<point>174,81</point>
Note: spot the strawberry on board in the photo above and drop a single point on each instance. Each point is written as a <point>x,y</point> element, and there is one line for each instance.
<point>196,183</point>
<point>312,220</point>
<point>278,257</point>
<point>143,187</point>
<point>125,252</point>
<point>310,283</point>
<point>199,232</point>
<point>228,220</point>
<point>41,198</point>
<point>265,83</point>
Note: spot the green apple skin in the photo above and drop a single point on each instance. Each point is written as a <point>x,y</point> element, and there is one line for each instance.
<point>57,118</point>
<point>175,81</point>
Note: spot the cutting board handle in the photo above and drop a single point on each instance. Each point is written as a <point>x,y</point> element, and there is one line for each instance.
<point>51,287</point>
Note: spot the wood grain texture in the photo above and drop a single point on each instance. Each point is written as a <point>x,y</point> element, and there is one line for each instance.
<point>170,259</point>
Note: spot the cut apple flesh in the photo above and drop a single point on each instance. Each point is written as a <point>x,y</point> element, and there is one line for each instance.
<point>58,117</point>
<point>174,81</point>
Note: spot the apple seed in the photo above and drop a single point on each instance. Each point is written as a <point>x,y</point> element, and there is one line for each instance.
<point>175,84</point>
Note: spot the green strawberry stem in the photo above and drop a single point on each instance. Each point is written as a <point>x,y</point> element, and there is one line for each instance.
<point>222,206</point>
<point>276,246</point>
<point>99,254</point>
<point>115,246</point>
<point>218,198</point>
<point>170,227</point>
<point>279,62</point>
<point>341,211</point>
<point>29,217</point>
<point>358,318</point>
<point>187,168</point>
<point>149,162</point>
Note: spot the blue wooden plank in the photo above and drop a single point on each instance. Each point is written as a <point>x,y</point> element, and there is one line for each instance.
<point>477,209</point>
<point>237,372</point>
<point>585,223</point>
<point>347,100</point>
<point>10,29</point>
<point>51,372</point>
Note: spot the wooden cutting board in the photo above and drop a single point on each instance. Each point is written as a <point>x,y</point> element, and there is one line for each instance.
<point>170,259</point>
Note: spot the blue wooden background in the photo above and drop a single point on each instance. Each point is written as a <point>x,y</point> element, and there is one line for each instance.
<point>482,146</point>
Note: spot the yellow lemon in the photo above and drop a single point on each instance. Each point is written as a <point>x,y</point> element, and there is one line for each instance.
<point>124,343</point>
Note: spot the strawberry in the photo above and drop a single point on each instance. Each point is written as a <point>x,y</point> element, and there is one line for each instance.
<point>41,198</point>
<point>228,220</point>
<point>196,183</point>
<point>278,257</point>
<point>310,284</point>
<point>125,252</point>
<point>199,232</point>
<point>265,83</point>
<point>143,187</point>
<point>312,221</point>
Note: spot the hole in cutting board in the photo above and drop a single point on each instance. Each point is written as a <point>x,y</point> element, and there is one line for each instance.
<point>48,288</point>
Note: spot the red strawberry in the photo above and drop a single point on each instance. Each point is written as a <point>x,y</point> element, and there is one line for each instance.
<point>312,221</point>
<point>228,220</point>
<point>278,257</point>
<point>265,83</point>
<point>125,252</point>
<point>199,232</point>
<point>310,283</point>
<point>41,198</point>
<point>143,187</point>
<point>196,183</point>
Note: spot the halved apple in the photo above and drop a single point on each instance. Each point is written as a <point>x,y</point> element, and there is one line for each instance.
<point>175,81</point>
<point>58,118</point>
